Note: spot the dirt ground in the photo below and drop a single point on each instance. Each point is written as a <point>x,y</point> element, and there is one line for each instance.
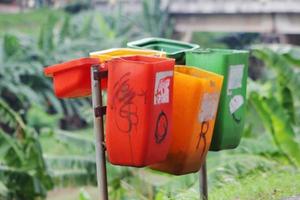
<point>71,193</point>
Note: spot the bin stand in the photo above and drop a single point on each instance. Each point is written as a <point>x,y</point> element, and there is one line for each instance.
<point>99,112</point>
<point>203,182</point>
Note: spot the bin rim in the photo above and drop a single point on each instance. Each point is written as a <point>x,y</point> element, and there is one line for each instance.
<point>190,67</point>
<point>159,59</point>
<point>80,62</point>
<point>220,51</point>
<point>136,43</point>
<point>113,50</point>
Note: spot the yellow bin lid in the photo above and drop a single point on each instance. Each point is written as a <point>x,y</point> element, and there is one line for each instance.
<point>109,54</point>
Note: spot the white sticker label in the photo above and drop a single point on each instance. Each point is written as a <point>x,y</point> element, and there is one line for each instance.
<point>235,77</point>
<point>209,106</point>
<point>162,87</point>
<point>235,103</point>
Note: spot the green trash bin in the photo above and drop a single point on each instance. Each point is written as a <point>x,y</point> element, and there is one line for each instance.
<point>233,65</point>
<point>173,48</point>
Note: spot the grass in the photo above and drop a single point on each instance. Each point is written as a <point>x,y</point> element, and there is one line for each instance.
<point>268,186</point>
<point>26,22</point>
<point>275,185</point>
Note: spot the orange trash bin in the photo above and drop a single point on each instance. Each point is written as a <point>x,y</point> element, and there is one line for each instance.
<point>139,109</point>
<point>73,78</point>
<point>196,96</point>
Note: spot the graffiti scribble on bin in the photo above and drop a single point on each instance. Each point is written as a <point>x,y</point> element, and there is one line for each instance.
<point>124,104</point>
<point>161,128</point>
<point>202,136</point>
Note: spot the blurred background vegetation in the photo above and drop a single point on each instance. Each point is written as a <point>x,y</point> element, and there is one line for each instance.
<point>47,145</point>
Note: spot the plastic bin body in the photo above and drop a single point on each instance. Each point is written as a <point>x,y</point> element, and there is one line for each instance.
<point>173,48</point>
<point>119,52</point>
<point>139,110</point>
<point>233,65</point>
<point>195,101</point>
<point>72,79</point>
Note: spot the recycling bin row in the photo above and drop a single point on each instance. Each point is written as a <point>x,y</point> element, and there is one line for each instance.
<point>159,113</point>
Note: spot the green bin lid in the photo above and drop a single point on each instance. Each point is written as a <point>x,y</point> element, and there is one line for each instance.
<point>173,48</point>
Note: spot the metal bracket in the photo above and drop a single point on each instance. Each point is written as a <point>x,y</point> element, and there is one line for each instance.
<point>104,146</point>
<point>100,111</point>
<point>98,75</point>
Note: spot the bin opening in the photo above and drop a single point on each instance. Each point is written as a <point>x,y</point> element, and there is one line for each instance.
<point>193,71</point>
<point>143,59</point>
<point>166,45</point>
<point>118,52</point>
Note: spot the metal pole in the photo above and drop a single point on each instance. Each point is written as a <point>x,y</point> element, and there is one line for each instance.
<point>203,182</point>
<point>99,133</point>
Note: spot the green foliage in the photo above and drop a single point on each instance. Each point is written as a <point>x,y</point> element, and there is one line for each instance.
<point>25,22</point>
<point>23,83</point>
<point>11,119</point>
<point>278,123</point>
<point>277,105</point>
<point>3,191</point>
<point>154,20</point>
<point>23,171</point>
<point>286,99</point>
<point>11,45</point>
<point>286,72</point>
<point>46,37</point>
<point>38,118</point>
<point>208,40</point>
<point>70,165</point>
<point>84,195</point>
<point>290,52</point>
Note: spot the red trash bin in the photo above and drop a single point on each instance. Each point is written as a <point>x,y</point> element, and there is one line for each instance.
<point>72,79</point>
<point>139,110</point>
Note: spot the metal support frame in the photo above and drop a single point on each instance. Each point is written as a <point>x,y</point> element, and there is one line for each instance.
<point>203,182</point>
<point>99,111</point>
